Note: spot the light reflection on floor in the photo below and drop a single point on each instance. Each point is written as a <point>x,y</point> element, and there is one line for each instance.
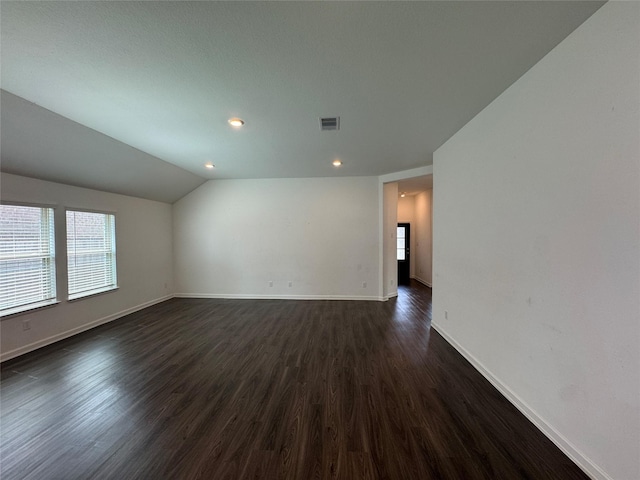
<point>412,318</point>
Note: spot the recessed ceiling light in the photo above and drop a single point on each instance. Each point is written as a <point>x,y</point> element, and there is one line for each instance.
<point>209,165</point>
<point>236,122</point>
<point>337,163</point>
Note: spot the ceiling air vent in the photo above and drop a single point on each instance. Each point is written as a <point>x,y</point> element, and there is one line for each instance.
<point>330,123</point>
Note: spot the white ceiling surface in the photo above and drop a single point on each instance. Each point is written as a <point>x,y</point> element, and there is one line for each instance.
<point>415,185</point>
<point>67,152</point>
<point>164,77</point>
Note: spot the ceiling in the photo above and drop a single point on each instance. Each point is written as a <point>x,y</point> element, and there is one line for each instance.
<point>163,78</point>
<point>415,185</point>
<point>39,143</point>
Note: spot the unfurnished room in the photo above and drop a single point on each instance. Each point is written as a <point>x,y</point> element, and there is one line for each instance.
<point>320,239</point>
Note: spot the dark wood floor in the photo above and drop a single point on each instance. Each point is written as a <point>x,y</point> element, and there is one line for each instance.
<point>226,389</point>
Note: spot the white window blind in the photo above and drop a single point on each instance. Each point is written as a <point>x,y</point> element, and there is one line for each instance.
<point>91,253</point>
<point>27,258</point>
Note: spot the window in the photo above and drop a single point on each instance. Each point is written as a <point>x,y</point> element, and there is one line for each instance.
<point>27,258</point>
<point>91,253</point>
<point>401,246</point>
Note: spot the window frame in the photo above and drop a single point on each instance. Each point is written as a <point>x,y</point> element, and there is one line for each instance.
<point>72,297</point>
<point>52,269</point>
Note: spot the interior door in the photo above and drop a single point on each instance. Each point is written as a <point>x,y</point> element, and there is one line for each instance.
<point>403,253</point>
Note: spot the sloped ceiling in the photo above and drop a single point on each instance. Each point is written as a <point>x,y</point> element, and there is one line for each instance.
<point>164,77</point>
<point>38,143</point>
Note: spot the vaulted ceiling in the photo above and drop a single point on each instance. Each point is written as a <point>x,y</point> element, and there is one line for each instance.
<point>134,97</point>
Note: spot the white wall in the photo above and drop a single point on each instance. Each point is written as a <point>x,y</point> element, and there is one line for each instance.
<point>145,274</point>
<point>406,209</point>
<point>537,242</point>
<point>407,214</point>
<point>423,236</point>
<point>389,240</point>
<point>233,237</point>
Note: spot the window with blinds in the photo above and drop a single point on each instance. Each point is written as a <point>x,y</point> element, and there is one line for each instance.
<point>91,253</point>
<point>27,258</point>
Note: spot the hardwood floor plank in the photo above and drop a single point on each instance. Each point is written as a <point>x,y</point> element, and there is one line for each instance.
<point>264,389</point>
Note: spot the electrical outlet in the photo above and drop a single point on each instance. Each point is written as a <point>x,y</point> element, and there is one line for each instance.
<point>271,283</point>
<point>26,324</point>
<point>446,315</point>
<point>364,284</point>
<point>291,284</point>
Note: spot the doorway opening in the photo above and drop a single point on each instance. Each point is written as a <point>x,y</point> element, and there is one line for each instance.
<point>414,233</point>
<point>405,202</point>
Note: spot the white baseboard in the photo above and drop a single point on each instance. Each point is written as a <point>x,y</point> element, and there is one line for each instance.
<point>74,331</point>
<point>556,437</point>
<point>242,296</point>
<point>424,282</point>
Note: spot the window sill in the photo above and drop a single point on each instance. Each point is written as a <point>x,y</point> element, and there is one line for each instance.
<point>91,293</point>
<point>14,312</point>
